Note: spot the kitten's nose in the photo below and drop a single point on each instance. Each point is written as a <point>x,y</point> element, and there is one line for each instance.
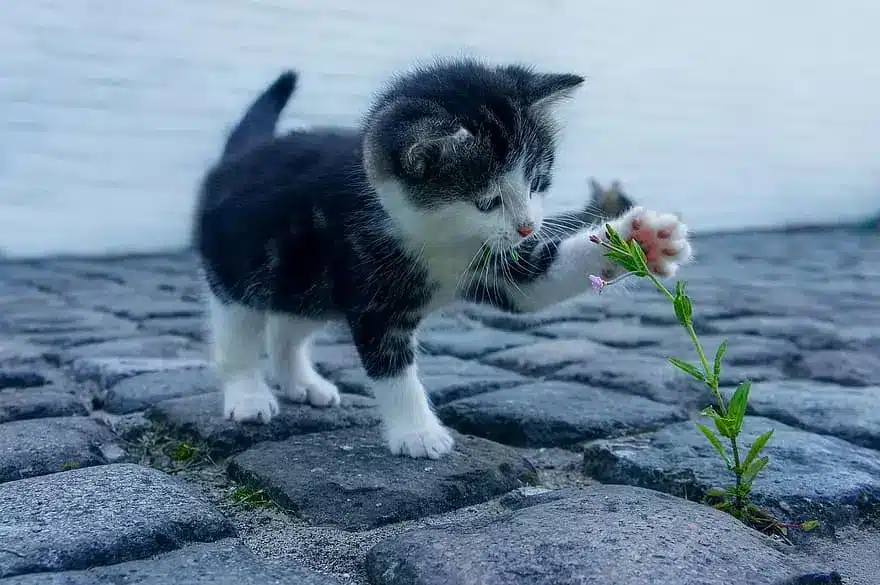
<point>525,230</point>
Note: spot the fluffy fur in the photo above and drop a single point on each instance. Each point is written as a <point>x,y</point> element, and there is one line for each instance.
<point>424,204</point>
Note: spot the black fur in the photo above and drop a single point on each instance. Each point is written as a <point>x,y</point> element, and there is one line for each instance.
<point>495,105</point>
<point>258,124</point>
<point>291,224</point>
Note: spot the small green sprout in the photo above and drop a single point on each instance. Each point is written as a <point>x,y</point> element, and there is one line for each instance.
<point>251,498</point>
<point>182,452</point>
<point>727,416</point>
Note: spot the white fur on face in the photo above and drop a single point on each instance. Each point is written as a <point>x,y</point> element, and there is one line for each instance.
<point>460,224</point>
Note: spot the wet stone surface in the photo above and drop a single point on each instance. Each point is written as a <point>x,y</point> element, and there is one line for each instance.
<point>104,372</point>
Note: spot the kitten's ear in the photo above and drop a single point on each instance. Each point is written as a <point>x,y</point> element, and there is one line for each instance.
<point>547,89</point>
<point>596,189</point>
<point>421,157</point>
<point>615,185</point>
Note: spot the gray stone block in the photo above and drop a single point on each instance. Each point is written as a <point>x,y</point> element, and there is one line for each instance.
<point>350,479</point>
<point>99,516</point>
<point>603,534</point>
<point>201,417</point>
<point>809,476</point>
<point>42,446</point>
<point>553,414</point>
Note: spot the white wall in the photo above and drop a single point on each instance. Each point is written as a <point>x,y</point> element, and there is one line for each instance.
<point>738,114</point>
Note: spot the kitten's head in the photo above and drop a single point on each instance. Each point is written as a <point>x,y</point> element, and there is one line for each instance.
<point>609,203</point>
<point>463,151</point>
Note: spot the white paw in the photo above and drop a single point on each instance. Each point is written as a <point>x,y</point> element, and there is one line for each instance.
<point>313,388</point>
<point>322,392</point>
<point>433,441</point>
<point>662,236</point>
<point>249,400</point>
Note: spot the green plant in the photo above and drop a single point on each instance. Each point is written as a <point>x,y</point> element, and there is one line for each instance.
<point>251,498</point>
<point>182,452</point>
<point>727,415</point>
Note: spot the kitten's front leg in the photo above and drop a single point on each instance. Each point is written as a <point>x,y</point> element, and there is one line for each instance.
<point>387,351</point>
<point>559,269</point>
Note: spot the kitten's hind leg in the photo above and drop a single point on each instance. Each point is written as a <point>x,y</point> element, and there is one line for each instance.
<point>388,355</point>
<point>238,340</point>
<point>289,343</point>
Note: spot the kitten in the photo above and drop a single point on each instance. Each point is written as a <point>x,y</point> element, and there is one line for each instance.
<point>609,203</point>
<point>424,205</point>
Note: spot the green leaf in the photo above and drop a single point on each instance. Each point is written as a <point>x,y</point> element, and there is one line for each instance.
<point>638,254</point>
<point>723,425</point>
<point>756,448</point>
<point>715,493</point>
<point>719,355</point>
<point>623,260</point>
<point>680,311</point>
<point>687,368</point>
<point>684,309</point>
<point>613,237</point>
<point>716,442</point>
<point>754,469</point>
<point>809,525</point>
<point>736,409</point>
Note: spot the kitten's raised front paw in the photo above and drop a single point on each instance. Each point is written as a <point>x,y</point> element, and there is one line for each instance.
<point>432,441</point>
<point>662,236</point>
<point>249,400</point>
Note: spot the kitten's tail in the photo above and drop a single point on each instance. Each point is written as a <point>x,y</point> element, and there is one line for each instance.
<point>259,121</point>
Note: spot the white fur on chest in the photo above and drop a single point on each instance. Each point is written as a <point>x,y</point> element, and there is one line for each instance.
<point>451,270</point>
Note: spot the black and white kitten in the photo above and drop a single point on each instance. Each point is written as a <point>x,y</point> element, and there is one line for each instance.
<point>438,197</point>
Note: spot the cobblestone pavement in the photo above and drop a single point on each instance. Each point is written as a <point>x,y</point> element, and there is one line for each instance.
<point>576,458</point>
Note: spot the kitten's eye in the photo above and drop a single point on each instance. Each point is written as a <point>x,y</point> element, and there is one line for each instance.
<point>538,185</point>
<point>487,205</point>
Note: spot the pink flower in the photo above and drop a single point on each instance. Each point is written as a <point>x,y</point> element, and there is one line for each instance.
<point>597,283</point>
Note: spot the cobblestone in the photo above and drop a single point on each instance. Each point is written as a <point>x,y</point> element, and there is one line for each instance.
<point>552,414</point>
<point>30,448</point>
<point>103,371</point>
<point>103,515</point>
<point>226,562</point>
<point>809,476</point>
<point>347,479</point>
<point>582,540</point>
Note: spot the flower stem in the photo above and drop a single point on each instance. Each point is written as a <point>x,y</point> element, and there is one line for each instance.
<point>689,327</point>
<point>739,503</point>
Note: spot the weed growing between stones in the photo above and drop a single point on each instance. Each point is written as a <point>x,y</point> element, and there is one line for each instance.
<point>160,448</point>
<point>727,415</point>
<point>251,498</point>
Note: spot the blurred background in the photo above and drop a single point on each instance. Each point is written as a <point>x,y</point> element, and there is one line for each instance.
<point>739,115</point>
